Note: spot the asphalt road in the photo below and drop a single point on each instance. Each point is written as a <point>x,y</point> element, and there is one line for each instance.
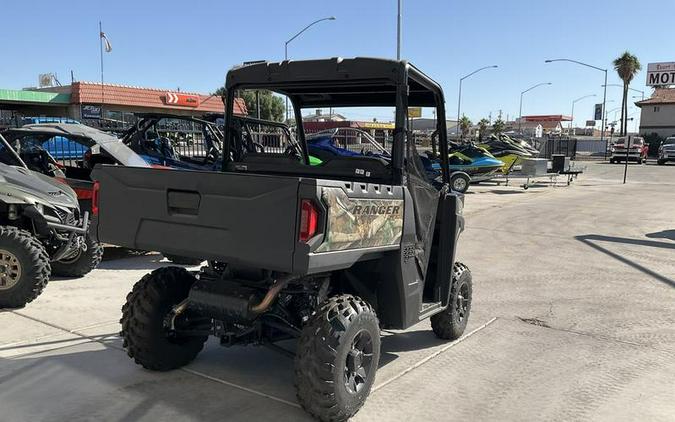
<point>573,319</point>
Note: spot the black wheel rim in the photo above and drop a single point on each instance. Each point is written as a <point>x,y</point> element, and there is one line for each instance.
<point>462,302</point>
<point>358,362</point>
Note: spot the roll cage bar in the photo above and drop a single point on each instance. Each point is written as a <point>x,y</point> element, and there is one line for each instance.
<point>338,82</point>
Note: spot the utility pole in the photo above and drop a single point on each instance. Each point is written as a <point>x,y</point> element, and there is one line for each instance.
<point>398,32</point>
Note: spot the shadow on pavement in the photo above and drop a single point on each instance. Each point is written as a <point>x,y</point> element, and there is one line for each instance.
<point>94,382</point>
<point>663,234</point>
<point>589,239</point>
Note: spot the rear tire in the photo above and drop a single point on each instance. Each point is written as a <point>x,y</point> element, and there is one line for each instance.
<point>146,338</point>
<point>337,358</point>
<point>24,267</point>
<point>82,263</point>
<point>451,323</point>
<point>182,260</point>
<point>661,162</point>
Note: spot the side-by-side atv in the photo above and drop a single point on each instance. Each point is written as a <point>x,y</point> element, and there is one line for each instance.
<point>42,231</point>
<point>327,254</point>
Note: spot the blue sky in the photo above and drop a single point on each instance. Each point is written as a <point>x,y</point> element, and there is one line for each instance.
<point>169,44</point>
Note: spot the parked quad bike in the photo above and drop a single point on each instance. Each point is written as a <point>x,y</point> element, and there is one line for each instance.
<point>325,254</point>
<point>41,232</point>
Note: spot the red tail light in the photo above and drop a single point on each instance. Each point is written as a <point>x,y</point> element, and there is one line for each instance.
<point>94,198</point>
<point>84,193</point>
<point>309,220</point>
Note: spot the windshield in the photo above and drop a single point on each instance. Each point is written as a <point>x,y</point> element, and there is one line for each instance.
<point>7,154</point>
<point>669,141</point>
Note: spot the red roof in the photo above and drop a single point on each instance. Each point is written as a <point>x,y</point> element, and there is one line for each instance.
<point>90,93</point>
<point>660,96</point>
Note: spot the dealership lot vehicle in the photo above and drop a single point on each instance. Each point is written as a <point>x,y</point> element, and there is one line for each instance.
<point>666,151</point>
<point>41,232</point>
<point>175,141</point>
<point>356,243</point>
<point>69,151</point>
<point>637,150</point>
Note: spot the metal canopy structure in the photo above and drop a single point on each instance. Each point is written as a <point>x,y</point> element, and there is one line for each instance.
<point>338,82</point>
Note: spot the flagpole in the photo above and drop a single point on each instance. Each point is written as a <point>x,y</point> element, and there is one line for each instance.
<point>100,41</point>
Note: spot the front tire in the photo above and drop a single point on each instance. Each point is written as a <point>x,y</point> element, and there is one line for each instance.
<point>82,262</point>
<point>337,358</point>
<point>24,267</point>
<point>661,162</point>
<point>451,323</point>
<point>147,339</point>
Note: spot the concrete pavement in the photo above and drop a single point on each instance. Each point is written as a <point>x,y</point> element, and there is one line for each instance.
<point>573,319</point>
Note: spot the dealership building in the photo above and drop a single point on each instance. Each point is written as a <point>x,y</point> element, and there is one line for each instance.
<point>107,106</point>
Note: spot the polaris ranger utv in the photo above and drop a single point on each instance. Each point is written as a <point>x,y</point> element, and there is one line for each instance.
<point>41,231</point>
<point>327,254</point>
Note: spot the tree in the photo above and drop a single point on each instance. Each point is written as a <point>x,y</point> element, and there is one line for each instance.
<point>483,125</point>
<point>464,126</point>
<point>627,66</point>
<point>271,106</point>
<point>498,127</point>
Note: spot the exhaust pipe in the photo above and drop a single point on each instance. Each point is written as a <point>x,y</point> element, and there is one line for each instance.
<point>230,301</point>
<point>272,293</point>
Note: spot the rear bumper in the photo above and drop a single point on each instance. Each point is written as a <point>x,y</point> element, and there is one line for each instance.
<point>618,156</point>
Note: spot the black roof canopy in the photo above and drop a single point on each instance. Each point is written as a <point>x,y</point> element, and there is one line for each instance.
<point>338,82</point>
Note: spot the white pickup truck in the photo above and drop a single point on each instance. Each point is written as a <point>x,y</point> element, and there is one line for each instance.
<point>637,150</point>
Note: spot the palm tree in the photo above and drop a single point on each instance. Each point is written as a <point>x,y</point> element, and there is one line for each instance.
<point>627,66</point>
<point>498,126</point>
<point>483,125</point>
<point>464,126</point>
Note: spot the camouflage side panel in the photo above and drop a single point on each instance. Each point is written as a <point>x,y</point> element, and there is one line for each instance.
<point>354,223</point>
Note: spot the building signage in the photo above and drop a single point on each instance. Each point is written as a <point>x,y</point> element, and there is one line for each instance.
<point>414,112</point>
<point>661,74</point>
<point>185,100</point>
<point>90,111</point>
<point>376,125</point>
<point>597,115</point>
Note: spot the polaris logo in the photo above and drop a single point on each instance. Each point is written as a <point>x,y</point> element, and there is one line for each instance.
<point>376,210</point>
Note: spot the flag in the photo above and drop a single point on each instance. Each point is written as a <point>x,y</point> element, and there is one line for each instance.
<point>106,42</point>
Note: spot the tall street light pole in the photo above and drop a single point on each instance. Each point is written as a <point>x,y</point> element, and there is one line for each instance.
<point>520,113</point>
<point>574,102</point>
<point>604,93</point>
<point>398,32</point>
<point>330,18</point>
<point>459,99</point>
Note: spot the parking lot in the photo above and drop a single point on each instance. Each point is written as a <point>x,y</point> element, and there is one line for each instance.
<point>573,317</point>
